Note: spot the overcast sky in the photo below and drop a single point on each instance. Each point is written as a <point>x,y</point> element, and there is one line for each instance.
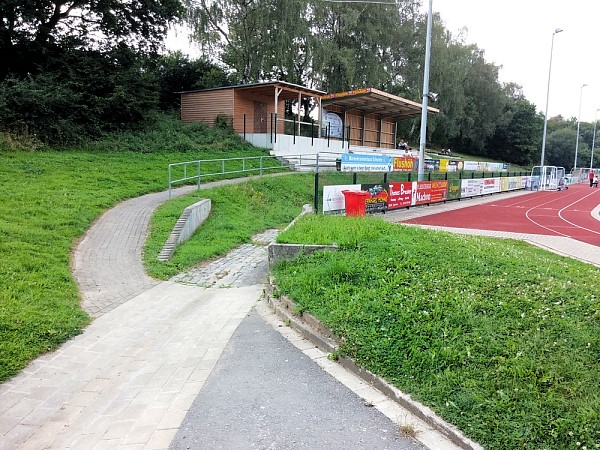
<point>517,35</point>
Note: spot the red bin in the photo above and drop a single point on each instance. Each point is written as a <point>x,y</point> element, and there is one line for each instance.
<point>356,202</point>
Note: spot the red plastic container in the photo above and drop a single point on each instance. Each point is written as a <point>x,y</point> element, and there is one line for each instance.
<point>356,203</point>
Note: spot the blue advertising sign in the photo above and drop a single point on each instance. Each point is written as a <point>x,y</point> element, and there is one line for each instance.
<point>352,162</point>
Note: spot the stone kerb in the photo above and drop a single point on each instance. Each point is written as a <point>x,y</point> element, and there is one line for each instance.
<point>278,252</point>
<point>192,217</point>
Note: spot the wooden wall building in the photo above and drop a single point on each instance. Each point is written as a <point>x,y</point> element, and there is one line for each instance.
<point>367,116</point>
<point>257,103</point>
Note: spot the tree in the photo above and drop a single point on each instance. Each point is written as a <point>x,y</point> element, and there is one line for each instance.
<point>560,147</point>
<point>175,72</point>
<point>80,96</point>
<point>29,29</point>
<point>518,133</point>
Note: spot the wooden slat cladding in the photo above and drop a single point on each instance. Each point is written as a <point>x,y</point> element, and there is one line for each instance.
<point>205,106</point>
<point>244,103</point>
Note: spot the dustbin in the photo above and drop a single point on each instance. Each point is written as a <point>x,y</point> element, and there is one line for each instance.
<point>338,165</point>
<point>355,202</point>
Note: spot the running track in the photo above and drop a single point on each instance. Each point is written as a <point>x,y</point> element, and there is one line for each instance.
<point>572,213</point>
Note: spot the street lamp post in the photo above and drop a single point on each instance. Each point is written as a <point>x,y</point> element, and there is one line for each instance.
<point>423,137</point>
<point>578,121</point>
<point>558,30</point>
<point>594,139</point>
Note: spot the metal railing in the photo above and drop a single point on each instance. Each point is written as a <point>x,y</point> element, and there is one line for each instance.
<point>184,172</point>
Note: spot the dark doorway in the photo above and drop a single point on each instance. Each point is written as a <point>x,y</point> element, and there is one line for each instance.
<point>260,117</point>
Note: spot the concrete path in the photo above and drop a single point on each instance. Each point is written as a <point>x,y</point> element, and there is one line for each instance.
<point>130,378</point>
<point>271,396</point>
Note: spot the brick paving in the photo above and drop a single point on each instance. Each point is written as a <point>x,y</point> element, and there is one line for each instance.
<point>107,262</point>
<point>243,266</point>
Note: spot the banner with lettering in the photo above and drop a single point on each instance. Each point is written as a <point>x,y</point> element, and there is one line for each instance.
<point>471,187</point>
<point>406,164</point>
<point>453,189</point>
<point>491,185</point>
<point>377,201</point>
<point>351,162</point>
<point>430,192</point>
<point>400,194</point>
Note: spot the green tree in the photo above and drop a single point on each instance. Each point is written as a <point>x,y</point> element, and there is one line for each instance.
<point>29,29</point>
<point>176,72</point>
<point>560,146</point>
<point>517,138</point>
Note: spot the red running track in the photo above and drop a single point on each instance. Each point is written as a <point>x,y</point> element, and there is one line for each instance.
<point>565,213</point>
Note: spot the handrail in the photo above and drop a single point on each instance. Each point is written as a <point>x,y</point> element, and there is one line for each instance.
<point>198,165</point>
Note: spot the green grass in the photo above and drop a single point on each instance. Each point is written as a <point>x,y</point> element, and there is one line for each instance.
<point>500,338</point>
<point>238,212</point>
<point>49,200</point>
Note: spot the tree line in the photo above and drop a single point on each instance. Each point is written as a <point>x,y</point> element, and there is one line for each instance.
<point>75,69</point>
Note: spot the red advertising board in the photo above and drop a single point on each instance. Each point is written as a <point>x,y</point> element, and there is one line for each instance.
<point>400,195</point>
<point>431,191</point>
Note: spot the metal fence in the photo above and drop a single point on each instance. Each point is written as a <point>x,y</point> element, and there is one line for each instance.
<point>195,171</point>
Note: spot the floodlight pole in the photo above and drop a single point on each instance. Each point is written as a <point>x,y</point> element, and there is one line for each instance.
<point>558,30</point>
<point>578,121</point>
<point>423,139</point>
<point>594,139</point>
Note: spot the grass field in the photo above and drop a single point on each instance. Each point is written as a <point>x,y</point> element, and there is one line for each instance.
<point>500,338</point>
<point>49,200</point>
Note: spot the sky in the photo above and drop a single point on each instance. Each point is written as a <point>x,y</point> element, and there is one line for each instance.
<point>517,35</point>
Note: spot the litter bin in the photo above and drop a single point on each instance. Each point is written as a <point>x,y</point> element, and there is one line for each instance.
<point>355,202</point>
<point>338,165</point>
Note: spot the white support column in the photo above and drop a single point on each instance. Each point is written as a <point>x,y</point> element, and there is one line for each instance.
<point>299,104</point>
<point>320,117</point>
<point>277,92</point>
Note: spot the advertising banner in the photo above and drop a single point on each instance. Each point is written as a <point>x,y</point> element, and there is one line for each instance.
<point>352,162</point>
<point>400,195</point>
<point>495,167</point>
<point>430,192</point>
<point>471,188</point>
<point>406,164</point>
<point>453,189</point>
<point>511,183</point>
<point>473,165</point>
<point>377,201</point>
<point>333,199</point>
<point>444,165</point>
<point>491,185</point>
<point>454,166</point>
<point>432,164</point>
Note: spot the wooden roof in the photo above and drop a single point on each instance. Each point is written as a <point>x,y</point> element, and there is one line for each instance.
<point>374,101</point>
<point>289,91</point>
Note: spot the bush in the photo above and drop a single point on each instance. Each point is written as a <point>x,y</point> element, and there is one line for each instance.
<point>224,121</point>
